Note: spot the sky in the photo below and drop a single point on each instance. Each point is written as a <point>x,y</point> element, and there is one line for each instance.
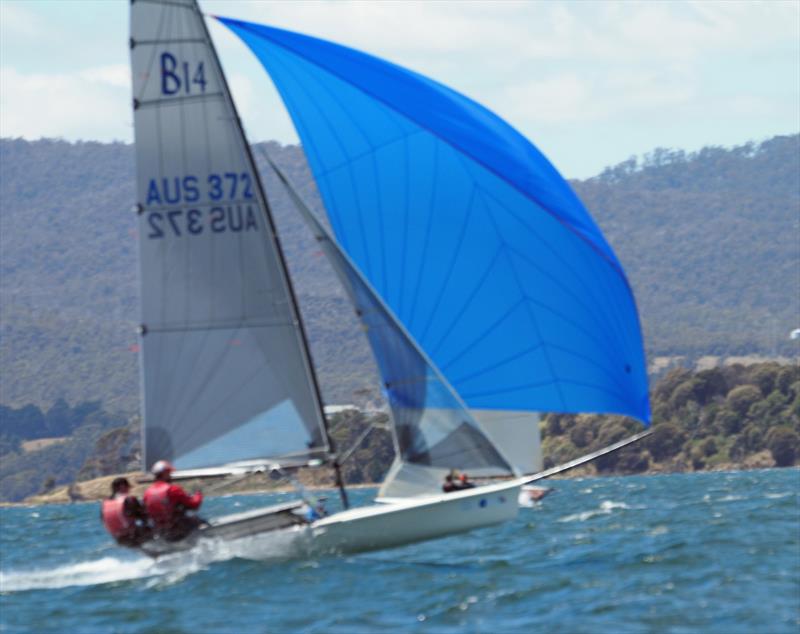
<point>589,83</point>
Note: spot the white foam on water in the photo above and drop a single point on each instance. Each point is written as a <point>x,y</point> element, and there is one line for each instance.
<point>85,573</point>
<point>731,498</point>
<point>606,508</point>
<point>778,496</point>
<point>270,546</point>
<point>167,570</point>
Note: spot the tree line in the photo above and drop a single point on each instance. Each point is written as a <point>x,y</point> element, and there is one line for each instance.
<point>724,418</point>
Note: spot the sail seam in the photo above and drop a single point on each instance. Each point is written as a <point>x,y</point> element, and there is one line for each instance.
<point>452,266</point>
<point>188,40</point>
<point>498,364</point>
<point>473,294</point>
<point>179,100</point>
<point>612,320</point>
<point>531,314</point>
<point>465,349</point>
<point>222,326</point>
<point>169,3</point>
<point>423,257</point>
<point>608,321</point>
<point>525,386</point>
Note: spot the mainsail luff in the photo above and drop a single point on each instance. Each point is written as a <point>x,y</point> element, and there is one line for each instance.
<point>225,361</point>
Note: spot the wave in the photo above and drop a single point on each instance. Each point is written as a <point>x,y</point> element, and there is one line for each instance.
<point>606,508</point>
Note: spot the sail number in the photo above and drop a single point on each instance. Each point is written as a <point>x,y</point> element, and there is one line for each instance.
<point>181,77</point>
<point>229,194</point>
<point>193,222</point>
<point>187,189</point>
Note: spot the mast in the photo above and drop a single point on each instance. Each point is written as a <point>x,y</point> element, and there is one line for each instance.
<point>311,373</point>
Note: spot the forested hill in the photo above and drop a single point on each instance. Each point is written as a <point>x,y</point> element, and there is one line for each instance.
<point>710,242</point>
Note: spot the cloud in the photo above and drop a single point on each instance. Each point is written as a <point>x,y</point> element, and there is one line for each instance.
<point>610,31</point>
<point>91,104</point>
<point>556,98</point>
<point>551,62</point>
<point>19,20</point>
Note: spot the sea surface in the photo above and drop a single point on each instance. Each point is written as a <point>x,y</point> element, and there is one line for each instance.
<point>707,552</point>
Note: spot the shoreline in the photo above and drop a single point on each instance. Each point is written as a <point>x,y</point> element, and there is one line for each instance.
<point>96,490</point>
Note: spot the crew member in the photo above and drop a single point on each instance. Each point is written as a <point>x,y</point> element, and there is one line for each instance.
<point>464,482</point>
<point>455,481</point>
<point>124,517</point>
<point>449,482</point>
<point>167,503</point>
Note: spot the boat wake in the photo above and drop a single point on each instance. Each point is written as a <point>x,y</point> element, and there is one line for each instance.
<point>273,546</point>
<point>85,573</point>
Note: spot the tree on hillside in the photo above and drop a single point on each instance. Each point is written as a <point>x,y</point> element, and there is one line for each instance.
<point>740,399</point>
<point>783,444</point>
<point>666,441</point>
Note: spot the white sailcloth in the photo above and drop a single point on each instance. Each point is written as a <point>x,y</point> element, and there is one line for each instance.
<point>225,369</point>
<point>516,434</point>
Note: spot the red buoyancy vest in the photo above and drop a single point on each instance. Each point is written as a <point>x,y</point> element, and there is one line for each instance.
<point>114,518</point>
<point>158,505</point>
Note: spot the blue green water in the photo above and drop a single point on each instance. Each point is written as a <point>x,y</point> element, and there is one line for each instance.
<point>716,552</point>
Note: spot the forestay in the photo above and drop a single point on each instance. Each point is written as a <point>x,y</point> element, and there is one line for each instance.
<point>433,430</point>
<point>466,231</point>
<point>225,368</point>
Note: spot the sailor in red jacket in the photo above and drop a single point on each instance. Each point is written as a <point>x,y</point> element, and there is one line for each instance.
<point>167,503</point>
<point>124,517</point>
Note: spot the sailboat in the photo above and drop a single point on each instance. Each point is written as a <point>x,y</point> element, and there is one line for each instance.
<point>487,292</point>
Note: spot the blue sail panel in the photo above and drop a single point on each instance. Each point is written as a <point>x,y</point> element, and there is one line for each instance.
<point>465,230</point>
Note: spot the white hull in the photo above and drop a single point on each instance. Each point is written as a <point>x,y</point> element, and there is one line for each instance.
<point>399,522</point>
<point>387,524</point>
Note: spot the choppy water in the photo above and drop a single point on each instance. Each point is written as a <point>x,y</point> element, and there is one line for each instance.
<point>713,552</point>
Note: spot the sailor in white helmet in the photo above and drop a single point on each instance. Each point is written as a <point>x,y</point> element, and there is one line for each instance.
<point>167,504</point>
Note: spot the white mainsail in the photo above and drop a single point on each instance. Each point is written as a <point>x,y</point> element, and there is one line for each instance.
<point>225,368</point>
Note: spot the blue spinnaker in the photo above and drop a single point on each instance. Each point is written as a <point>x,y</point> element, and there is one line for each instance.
<point>467,232</point>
